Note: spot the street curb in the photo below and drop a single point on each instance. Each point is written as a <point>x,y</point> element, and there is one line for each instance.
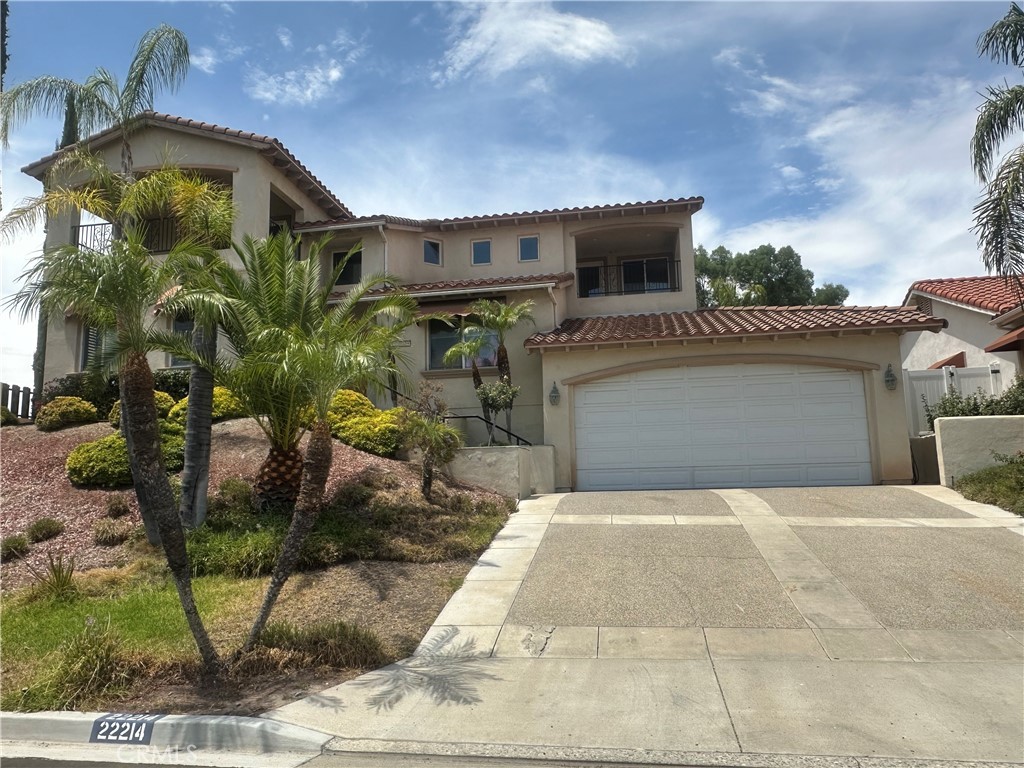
<point>217,733</point>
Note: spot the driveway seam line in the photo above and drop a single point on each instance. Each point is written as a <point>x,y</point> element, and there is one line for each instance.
<point>721,691</point>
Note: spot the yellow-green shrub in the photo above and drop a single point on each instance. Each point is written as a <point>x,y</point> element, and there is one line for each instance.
<point>103,463</point>
<point>65,412</point>
<point>7,419</point>
<point>225,406</point>
<point>347,404</point>
<point>164,403</point>
<point>379,433</point>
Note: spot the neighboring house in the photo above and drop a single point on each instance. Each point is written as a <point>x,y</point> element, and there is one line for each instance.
<point>985,325</point>
<point>631,382</point>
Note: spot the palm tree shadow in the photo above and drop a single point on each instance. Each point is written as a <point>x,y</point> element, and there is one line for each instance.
<point>445,668</point>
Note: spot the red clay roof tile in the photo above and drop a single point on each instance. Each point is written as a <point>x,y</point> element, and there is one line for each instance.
<point>991,293</point>
<point>445,286</point>
<point>727,322</point>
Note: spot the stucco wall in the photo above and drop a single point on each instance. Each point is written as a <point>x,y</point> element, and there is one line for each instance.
<point>511,471</point>
<point>964,444</point>
<point>969,331</point>
<point>886,411</point>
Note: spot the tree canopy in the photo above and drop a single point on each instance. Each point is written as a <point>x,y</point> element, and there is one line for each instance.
<point>763,276</point>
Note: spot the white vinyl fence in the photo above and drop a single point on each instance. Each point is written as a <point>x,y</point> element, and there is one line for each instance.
<point>933,384</point>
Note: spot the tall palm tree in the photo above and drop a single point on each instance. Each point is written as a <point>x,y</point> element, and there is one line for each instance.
<point>999,215</point>
<point>115,291</point>
<point>474,342</point>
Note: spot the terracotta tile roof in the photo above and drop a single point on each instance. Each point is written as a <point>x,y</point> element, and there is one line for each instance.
<point>275,152</point>
<point>735,322</point>
<point>991,293</point>
<point>623,210</point>
<point>446,286</point>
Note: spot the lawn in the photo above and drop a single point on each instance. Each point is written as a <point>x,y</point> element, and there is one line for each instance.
<point>1001,485</point>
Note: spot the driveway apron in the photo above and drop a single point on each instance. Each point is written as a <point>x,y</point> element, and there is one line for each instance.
<point>702,627</point>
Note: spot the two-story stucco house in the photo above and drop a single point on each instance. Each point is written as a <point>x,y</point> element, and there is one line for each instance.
<point>630,381</point>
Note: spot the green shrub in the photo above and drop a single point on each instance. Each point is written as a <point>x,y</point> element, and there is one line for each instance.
<point>12,547</point>
<point>380,433</point>
<point>110,533</point>
<point>243,553</point>
<point>335,644</point>
<point>103,463</point>
<point>346,403</point>
<point>173,381</point>
<point>65,412</point>
<point>117,506</point>
<point>225,406</point>
<point>979,403</point>
<point>164,403</point>
<point>7,419</point>
<point>98,389</point>
<point>44,528</point>
<point>57,580</point>
<point>1001,485</point>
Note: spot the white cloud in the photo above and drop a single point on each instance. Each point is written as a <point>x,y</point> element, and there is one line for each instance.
<point>302,86</point>
<point>790,173</point>
<point>205,59</point>
<point>494,38</point>
<point>284,36</point>
<point>907,192</point>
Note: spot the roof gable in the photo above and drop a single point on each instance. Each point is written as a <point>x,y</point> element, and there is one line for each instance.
<point>990,293</point>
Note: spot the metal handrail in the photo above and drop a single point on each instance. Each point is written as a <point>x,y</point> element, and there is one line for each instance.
<point>643,274</point>
<point>519,440</point>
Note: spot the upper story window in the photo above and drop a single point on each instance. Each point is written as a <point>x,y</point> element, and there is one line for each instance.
<point>432,252</point>
<point>353,271</point>
<point>481,252</point>
<point>92,346</point>
<point>443,337</point>
<point>529,248</point>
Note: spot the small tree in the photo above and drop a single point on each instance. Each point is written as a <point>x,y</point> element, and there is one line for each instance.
<point>499,396</point>
<point>425,428</point>
<point>473,343</point>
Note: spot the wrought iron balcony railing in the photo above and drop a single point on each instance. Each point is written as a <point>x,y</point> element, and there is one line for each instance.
<point>95,237</point>
<point>160,235</point>
<point>629,276</point>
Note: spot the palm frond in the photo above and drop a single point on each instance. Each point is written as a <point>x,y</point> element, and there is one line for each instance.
<point>160,61</point>
<point>46,96</point>
<point>999,218</point>
<point>1001,115</point>
<point>1004,40</point>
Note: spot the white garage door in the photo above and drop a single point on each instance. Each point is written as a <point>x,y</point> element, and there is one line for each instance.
<point>722,426</point>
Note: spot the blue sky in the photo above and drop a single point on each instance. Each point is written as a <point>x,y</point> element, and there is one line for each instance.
<point>840,129</point>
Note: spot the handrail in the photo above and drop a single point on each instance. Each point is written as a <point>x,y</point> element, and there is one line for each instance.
<point>519,440</point>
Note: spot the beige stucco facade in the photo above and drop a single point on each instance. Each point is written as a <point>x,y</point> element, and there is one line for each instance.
<point>970,331</point>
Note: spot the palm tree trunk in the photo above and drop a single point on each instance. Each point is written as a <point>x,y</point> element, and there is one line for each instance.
<point>427,476</point>
<point>279,478</point>
<point>195,476</point>
<point>504,369</point>
<point>149,522</point>
<point>315,471</point>
<point>155,495</point>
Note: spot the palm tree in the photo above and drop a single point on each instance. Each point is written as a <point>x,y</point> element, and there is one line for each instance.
<point>474,342</point>
<point>115,291</point>
<point>999,215</point>
<point>160,62</point>
<point>499,318</point>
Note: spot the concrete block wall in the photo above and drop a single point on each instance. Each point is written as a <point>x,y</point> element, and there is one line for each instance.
<point>965,444</point>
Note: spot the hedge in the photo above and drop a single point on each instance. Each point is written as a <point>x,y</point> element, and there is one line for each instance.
<point>65,412</point>
<point>104,463</point>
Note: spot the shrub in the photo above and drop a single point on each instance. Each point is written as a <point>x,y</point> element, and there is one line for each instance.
<point>246,553</point>
<point>44,528</point>
<point>979,403</point>
<point>347,403</point>
<point>117,506</point>
<point>65,412</point>
<point>57,580</point>
<point>110,533</point>
<point>336,644</point>
<point>164,403</point>
<point>104,463</point>
<point>98,389</point>
<point>232,505</point>
<point>380,433</point>
<point>12,547</point>
<point>7,419</point>
<point>173,381</point>
<point>225,406</point>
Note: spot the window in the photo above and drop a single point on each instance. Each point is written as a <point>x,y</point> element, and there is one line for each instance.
<point>443,337</point>
<point>529,248</point>
<point>645,276</point>
<point>353,271</point>
<point>92,346</point>
<point>481,252</point>
<point>183,325</point>
<point>432,252</point>
<point>589,282</point>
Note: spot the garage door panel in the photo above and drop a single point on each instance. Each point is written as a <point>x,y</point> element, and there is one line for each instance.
<point>719,426</point>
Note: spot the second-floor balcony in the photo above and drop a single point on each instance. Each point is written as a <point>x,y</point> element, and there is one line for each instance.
<point>159,235</point>
<point>629,276</point>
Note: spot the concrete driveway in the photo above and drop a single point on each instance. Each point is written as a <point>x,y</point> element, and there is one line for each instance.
<point>733,627</point>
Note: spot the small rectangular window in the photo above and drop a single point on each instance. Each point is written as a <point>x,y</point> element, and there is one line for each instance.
<point>529,248</point>
<point>441,338</point>
<point>92,345</point>
<point>432,252</point>
<point>481,252</point>
<point>183,326</point>
<point>353,271</point>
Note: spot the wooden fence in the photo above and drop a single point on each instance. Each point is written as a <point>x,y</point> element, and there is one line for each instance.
<point>18,399</point>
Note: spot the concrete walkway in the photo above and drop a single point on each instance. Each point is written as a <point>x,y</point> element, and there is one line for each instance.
<point>764,627</point>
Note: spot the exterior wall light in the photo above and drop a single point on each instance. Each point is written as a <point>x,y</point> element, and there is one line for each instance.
<point>554,395</point>
<point>890,378</point>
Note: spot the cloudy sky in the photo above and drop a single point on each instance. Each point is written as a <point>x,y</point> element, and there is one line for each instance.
<point>840,129</point>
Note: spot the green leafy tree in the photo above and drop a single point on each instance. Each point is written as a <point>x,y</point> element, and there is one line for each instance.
<point>116,290</point>
<point>999,215</point>
<point>425,428</point>
<point>832,294</point>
